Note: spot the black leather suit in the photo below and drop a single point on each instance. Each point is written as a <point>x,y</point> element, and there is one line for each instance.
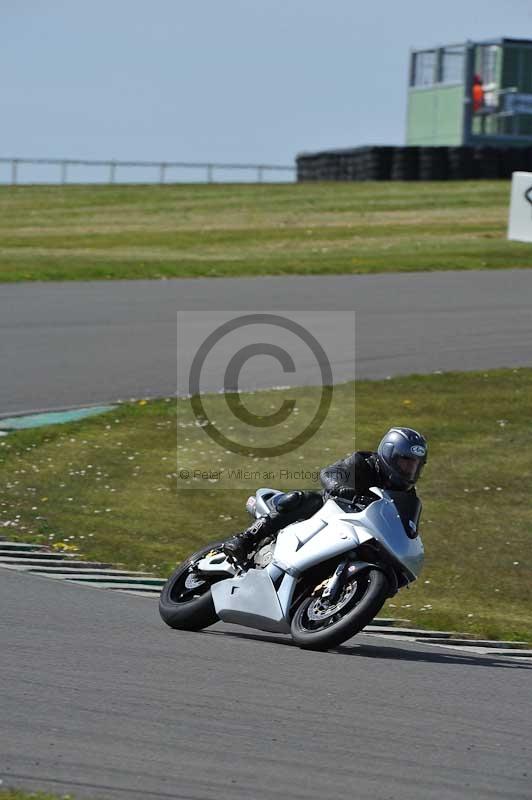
<point>357,472</point>
<point>347,477</point>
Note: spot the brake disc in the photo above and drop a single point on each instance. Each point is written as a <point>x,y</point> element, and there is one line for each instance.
<point>320,609</point>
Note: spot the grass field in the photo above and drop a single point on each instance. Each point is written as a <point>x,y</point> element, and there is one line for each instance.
<point>111,488</point>
<point>112,232</point>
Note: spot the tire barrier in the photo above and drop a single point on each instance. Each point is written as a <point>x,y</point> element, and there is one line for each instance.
<point>433,164</point>
<point>381,163</point>
<point>460,163</point>
<point>405,164</point>
<point>486,163</point>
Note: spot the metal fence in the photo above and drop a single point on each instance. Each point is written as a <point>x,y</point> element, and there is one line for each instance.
<point>161,168</point>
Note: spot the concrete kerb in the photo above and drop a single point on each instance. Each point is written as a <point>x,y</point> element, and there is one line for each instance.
<point>451,640</point>
<point>68,567</point>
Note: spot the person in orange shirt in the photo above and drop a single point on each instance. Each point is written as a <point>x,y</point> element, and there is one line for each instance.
<point>478,93</point>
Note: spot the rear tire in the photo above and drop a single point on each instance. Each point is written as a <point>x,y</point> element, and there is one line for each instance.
<point>188,610</point>
<point>368,599</point>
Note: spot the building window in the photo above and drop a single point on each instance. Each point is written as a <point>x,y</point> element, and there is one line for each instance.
<point>489,60</point>
<point>424,68</point>
<point>452,65</point>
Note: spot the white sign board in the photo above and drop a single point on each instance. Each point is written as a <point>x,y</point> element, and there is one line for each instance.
<point>520,223</point>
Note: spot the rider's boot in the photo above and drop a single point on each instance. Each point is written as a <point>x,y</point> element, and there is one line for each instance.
<point>241,545</point>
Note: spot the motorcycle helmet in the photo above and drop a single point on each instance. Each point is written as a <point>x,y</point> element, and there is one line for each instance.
<point>402,455</point>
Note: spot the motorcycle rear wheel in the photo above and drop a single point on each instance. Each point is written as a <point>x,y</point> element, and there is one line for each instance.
<point>317,628</point>
<point>188,607</point>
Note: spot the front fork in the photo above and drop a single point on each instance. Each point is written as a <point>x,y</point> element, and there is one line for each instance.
<point>349,569</point>
<point>334,585</point>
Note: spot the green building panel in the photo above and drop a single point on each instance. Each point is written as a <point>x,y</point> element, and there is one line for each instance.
<point>435,116</point>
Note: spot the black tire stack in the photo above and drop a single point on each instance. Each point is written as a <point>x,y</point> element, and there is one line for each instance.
<point>514,159</point>
<point>486,163</point>
<point>405,166</point>
<point>460,163</point>
<point>383,163</point>
<point>374,163</point>
<point>433,165</point>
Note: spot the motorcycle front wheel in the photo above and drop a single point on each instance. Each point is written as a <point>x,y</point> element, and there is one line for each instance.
<point>321,625</point>
<point>186,600</point>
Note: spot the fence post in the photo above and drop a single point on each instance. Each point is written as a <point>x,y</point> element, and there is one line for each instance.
<point>14,171</point>
<point>209,173</point>
<point>260,172</point>
<point>64,169</point>
<point>112,171</point>
<point>162,170</point>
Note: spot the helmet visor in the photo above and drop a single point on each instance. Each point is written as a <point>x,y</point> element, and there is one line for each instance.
<point>408,468</point>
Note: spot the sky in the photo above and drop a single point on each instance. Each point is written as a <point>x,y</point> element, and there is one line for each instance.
<point>219,80</point>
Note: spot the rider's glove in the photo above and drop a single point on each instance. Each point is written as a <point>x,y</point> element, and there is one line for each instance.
<point>343,492</point>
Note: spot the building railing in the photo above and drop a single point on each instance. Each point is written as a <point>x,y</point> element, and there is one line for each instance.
<point>161,168</point>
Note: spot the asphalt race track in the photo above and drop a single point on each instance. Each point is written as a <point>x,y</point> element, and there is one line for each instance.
<point>69,344</point>
<point>100,699</point>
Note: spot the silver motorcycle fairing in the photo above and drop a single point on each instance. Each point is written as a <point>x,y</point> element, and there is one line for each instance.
<point>250,599</point>
<point>215,564</point>
<point>326,534</point>
<point>382,522</point>
<point>332,531</point>
<point>262,505</point>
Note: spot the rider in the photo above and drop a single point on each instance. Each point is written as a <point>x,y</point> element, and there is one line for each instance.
<point>397,464</point>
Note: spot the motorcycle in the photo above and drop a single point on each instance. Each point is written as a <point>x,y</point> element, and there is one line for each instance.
<point>322,579</point>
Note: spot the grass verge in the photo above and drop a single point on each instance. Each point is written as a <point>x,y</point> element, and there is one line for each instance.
<point>112,232</point>
<point>110,487</point>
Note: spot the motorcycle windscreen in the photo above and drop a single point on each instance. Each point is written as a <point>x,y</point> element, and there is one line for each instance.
<point>409,508</point>
<point>384,521</point>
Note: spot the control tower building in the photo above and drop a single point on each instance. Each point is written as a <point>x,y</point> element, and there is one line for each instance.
<point>476,93</point>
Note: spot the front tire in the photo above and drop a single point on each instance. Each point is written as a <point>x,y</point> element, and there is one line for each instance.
<point>186,602</point>
<point>316,627</point>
